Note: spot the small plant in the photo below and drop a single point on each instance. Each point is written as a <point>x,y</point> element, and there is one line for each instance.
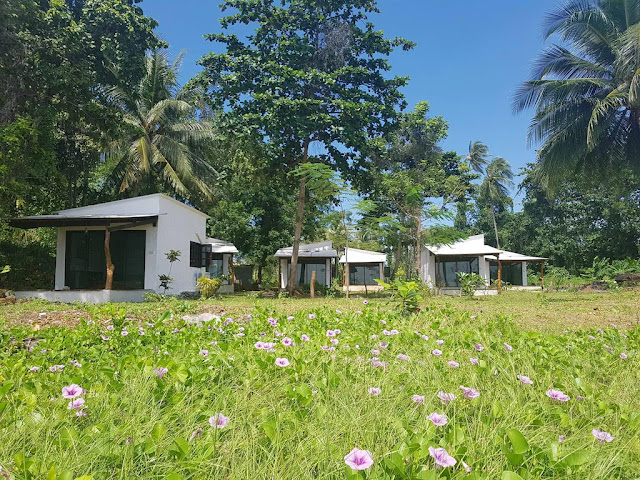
<point>209,286</point>
<point>407,294</point>
<point>165,280</point>
<point>469,283</point>
<point>5,269</point>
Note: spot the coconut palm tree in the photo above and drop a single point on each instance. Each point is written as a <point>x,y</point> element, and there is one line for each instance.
<point>164,142</point>
<point>477,156</point>
<point>494,189</point>
<point>586,94</point>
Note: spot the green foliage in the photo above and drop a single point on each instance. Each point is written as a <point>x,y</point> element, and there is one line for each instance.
<point>584,91</point>
<point>605,269</point>
<point>407,294</point>
<point>469,283</point>
<point>173,255</point>
<point>165,280</point>
<point>5,269</point>
<point>208,286</point>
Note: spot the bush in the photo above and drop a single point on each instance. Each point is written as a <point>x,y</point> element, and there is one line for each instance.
<point>470,282</point>
<point>407,294</point>
<point>209,286</point>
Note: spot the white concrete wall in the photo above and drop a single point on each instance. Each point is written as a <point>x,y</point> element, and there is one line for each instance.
<point>177,228</point>
<point>524,274</point>
<point>429,273</point>
<point>484,270</point>
<point>85,296</point>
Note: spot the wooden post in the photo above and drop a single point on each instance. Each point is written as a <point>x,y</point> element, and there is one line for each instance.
<point>107,255</point>
<point>542,274</point>
<point>313,284</point>
<point>348,281</point>
<point>499,274</point>
<point>233,271</point>
<point>437,274</point>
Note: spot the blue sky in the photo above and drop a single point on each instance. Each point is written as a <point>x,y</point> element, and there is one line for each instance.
<point>470,58</point>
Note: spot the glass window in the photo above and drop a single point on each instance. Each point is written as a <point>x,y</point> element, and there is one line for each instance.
<point>305,269</point>
<point>215,265</point>
<point>363,274</point>
<point>450,266</point>
<point>511,272</point>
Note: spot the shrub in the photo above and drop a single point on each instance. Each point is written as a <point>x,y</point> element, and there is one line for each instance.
<point>209,286</point>
<point>407,294</point>
<point>470,282</point>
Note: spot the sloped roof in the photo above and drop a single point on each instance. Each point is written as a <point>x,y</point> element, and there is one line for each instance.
<point>310,250</point>
<point>507,256</point>
<point>473,245</point>
<point>36,221</point>
<point>355,255</point>
<point>221,246</point>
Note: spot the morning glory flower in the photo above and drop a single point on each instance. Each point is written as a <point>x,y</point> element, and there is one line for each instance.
<point>437,352</point>
<point>508,347</point>
<point>160,371</point>
<point>602,436</point>
<point>478,347</point>
<point>282,362</point>
<point>72,391</point>
<point>442,457</point>
<point>453,364</point>
<point>438,419</point>
<point>358,459</point>
<point>375,391</point>
<point>469,392</point>
<point>218,421</point>
<point>525,380</point>
<point>557,396</point>
<point>418,398</point>
<point>287,342</point>
<point>446,397</point>
<point>474,361</point>
<point>312,316</point>
<point>623,355</point>
<point>76,404</point>
<point>34,369</point>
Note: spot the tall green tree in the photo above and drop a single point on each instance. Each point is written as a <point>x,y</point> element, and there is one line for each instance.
<point>311,79</point>
<point>586,91</point>
<point>163,142</point>
<point>494,189</point>
<point>478,155</point>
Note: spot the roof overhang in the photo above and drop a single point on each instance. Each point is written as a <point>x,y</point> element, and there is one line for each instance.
<point>82,221</point>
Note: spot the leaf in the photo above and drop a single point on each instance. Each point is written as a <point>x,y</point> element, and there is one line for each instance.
<point>67,437</point>
<point>66,475</point>
<point>174,476</point>
<point>158,432</point>
<point>180,447</point>
<point>51,474</point>
<point>425,475</point>
<point>181,373</point>
<point>507,475</point>
<point>518,442</point>
<point>579,457</point>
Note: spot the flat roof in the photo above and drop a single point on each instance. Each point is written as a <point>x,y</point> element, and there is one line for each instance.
<point>36,221</point>
<point>507,256</point>
<point>355,255</point>
<point>221,246</point>
<point>311,250</point>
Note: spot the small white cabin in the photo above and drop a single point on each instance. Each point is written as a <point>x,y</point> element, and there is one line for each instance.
<point>142,230</point>
<point>363,268</point>
<point>318,257</point>
<point>442,263</point>
<point>221,262</point>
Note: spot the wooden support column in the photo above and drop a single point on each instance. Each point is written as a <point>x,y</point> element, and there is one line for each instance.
<point>346,266</point>
<point>499,274</point>
<point>313,284</point>
<point>107,255</point>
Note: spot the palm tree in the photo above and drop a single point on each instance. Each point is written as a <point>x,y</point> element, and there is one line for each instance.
<point>494,189</point>
<point>163,142</point>
<point>477,156</point>
<point>586,95</point>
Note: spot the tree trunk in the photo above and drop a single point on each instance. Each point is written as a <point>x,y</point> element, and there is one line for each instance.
<point>291,281</point>
<point>495,225</point>
<point>260,273</point>
<point>419,246</point>
<point>313,284</point>
<point>107,256</point>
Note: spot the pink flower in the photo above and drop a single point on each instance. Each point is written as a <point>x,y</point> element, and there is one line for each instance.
<point>364,302</point>
<point>418,398</point>
<point>561,438</point>
<point>282,362</point>
<point>438,419</point>
<point>105,337</point>
<point>424,337</point>
<point>34,369</point>
<point>312,316</point>
<point>602,436</point>
<point>623,355</point>
<point>334,341</point>
<point>525,380</point>
<point>76,404</point>
<point>124,333</point>
<point>557,396</point>
<point>218,421</point>
<point>466,467</point>
<point>141,332</point>
<point>259,345</point>
<point>446,397</point>
<point>439,342</point>
<point>508,347</point>
<point>478,347</point>
<point>437,352</point>
<point>469,392</point>
<point>160,371</point>
<point>109,327</point>
<point>72,391</point>
<point>375,391</point>
<point>287,342</point>
<point>442,458</point>
<point>375,352</point>
<point>403,357</point>
<point>358,459</point>
<point>474,361</point>
<point>290,317</point>
<point>331,333</point>
<point>453,364</point>
<point>305,337</point>
<point>383,344</point>
<point>204,353</point>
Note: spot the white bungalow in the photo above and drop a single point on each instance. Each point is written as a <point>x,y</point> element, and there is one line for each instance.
<point>220,262</point>
<point>312,257</point>
<point>135,234</point>
<point>363,268</point>
<point>441,264</point>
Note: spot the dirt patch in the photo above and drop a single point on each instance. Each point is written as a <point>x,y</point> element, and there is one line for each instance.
<point>35,321</point>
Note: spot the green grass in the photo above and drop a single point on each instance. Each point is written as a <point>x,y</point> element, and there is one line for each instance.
<point>300,421</point>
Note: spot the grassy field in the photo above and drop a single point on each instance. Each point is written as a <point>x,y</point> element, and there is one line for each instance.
<point>302,383</point>
<point>546,312</point>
